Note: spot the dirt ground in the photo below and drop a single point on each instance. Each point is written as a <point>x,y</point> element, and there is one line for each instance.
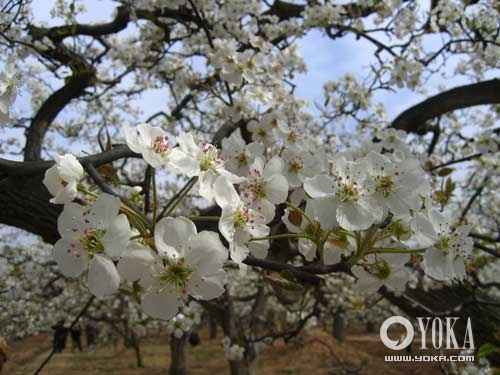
<point>313,352</point>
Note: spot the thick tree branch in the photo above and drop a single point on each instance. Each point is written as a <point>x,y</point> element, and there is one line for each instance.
<point>415,119</point>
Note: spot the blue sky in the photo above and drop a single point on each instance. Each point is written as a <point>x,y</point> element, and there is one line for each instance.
<point>325,59</point>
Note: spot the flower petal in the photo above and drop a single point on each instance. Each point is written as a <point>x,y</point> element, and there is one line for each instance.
<point>207,287</point>
<point>320,186</point>
<point>162,304</point>
<point>205,252</point>
<point>104,211</point>
<point>103,278</point>
<point>354,216</point>
<point>277,189</point>
<point>135,262</point>
<point>117,236</point>
<point>171,234</point>
<point>70,257</point>
<point>225,193</point>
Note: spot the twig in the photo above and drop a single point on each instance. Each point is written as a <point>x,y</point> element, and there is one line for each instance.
<point>49,357</point>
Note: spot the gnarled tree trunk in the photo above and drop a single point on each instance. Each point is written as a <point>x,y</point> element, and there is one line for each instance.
<point>178,364</point>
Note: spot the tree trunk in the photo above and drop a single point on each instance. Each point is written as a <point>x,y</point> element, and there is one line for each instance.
<point>138,355</point>
<point>339,324</point>
<point>136,344</point>
<point>178,355</point>
<point>212,321</point>
<point>241,368</point>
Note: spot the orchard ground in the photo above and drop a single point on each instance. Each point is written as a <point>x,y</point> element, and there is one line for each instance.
<point>305,355</point>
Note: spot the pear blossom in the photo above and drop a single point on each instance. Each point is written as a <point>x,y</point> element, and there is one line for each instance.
<point>8,82</point>
<point>347,192</point>
<point>448,246</point>
<point>149,141</point>
<point>233,352</point>
<point>382,270</point>
<point>265,187</point>
<point>62,178</point>
<point>238,156</point>
<point>395,185</point>
<point>178,325</point>
<point>187,263</point>
<point>204,161</point>
<point>394,139</point>
<point>299,165</point>
<point>323,227</point>
<point>91,239</point>
<point>239,223</point>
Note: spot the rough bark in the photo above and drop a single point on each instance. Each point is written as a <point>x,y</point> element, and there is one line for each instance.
<point>24,203</point>
<point>414,119</point>
<point>213,325</point>
<point>178,355</point>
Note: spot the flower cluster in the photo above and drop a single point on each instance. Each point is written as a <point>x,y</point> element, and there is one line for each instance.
<point>369,205</point>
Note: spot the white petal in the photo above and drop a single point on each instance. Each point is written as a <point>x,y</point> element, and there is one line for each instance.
<point>320,186</point>
<point>161,304</point>
<point>257,166</point>
<point>398,279</point>
<point>226,223</point>
<point>259,249</point>
<point>207,182</point>
<point>205,252</point>
<point>239,252</point>
<point>171,234</point>
<point>207,287</point>
<point>264,208</point>
<point>117,236</point>
<point>71,221</point>
<point>354,216</point>
<point>322,210</point>
<point>274,166</point>
<point>307,248</point>
<point>366,282</point>
<point>52,180</point>
<point>103,278</point>
<point>396,259</point>
<point>154,159</point>
<point>69,167</point>
<point>276,189</point>
<point>439,221</point>
<point>437,265</point>
<point>135,263</point>
<point>66,194</point>
<point>132,139</point>
<point>423,231</point>
<point>104,211</point>
<point>187,144</point>
<point>70,257</point>
<point>331,254</point>
<point>225,193</point>
<point>148,133</point>
<point>182,163</point>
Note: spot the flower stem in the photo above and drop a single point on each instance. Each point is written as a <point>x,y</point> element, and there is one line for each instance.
<point>389,250</point>
<point>182,196</point>
<point>155,197</point>
<point>134,218</point>
<point>204,218</point>
<point>281,236</point>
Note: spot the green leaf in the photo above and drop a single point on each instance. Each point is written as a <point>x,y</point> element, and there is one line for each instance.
<point>445,171</point>
<point>486,349</point>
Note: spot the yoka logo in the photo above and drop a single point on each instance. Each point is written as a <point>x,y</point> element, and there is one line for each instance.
<point>442,333</point>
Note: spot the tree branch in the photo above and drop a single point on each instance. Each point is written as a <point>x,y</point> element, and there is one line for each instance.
<point>414,119</point>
